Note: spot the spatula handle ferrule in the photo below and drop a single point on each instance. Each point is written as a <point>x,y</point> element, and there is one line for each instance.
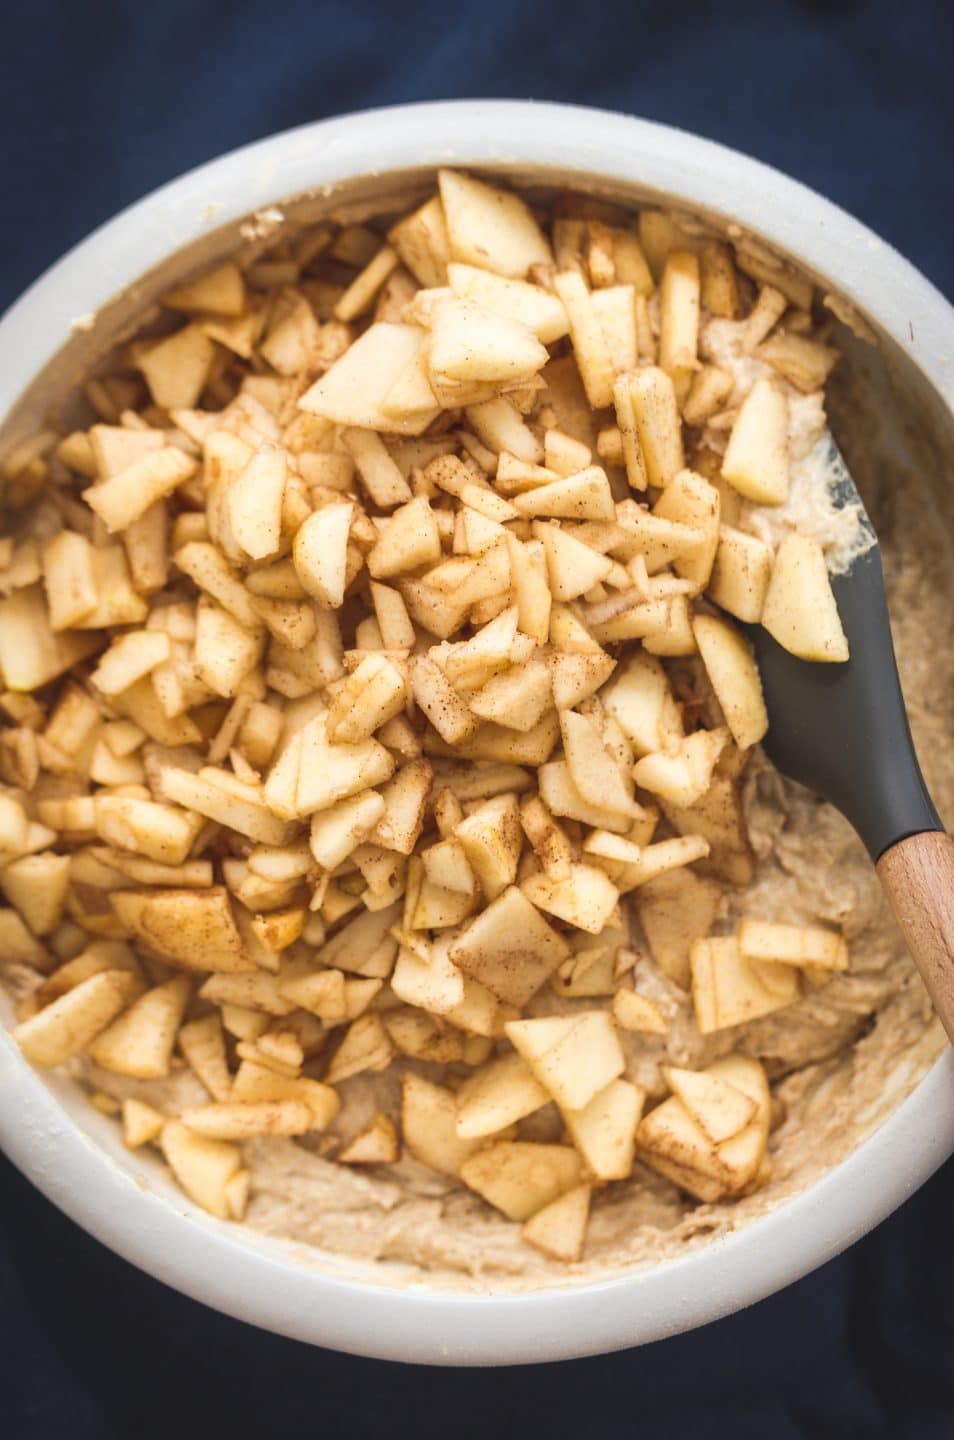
<point>918,878</point>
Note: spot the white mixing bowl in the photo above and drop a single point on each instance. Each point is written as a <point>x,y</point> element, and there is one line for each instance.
<point>73,1154</point>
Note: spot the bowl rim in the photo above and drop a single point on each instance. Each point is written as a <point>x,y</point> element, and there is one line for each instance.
<point>264,1285</point>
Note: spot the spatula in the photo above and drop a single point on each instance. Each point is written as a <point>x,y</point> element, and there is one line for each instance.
<point>842,730</point>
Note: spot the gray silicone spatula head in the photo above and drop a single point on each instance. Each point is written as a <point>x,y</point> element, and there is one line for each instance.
<point>842,729</point>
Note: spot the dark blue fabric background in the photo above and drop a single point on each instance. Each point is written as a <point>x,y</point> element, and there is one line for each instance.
<point>99,103</point>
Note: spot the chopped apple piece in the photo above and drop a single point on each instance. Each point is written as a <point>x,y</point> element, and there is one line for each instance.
<point>141,1123</point>
<point>584,898</point>
<point>336,831</point>
<point>491,839</point>
<point>660,541</point>
<point>366,1046</point>
<point>490,228</point>
<point>329,771</point>
<point>679,319</point>
<point>69,578</point>
<point>205,794</point>
<point>595,770</point>
<point>191,928</point>
<point>372,695</point>
<point>141,1041</point>
<point>636,1012</point>
<point>720,283</point>
<point>518,698</point>
<point>531,305</point>
<point>572,567</point>
<point>713,1103</point>
<point>756,459</point>
<point>129,658</point>
<point>673,1141</point>
<point>429,1126</point>
<point>358,387</point>
<point>729,989</point>
<point>254,502</point>
<point>433,983</point>
<point>496,1096</point>
<point>246,1119</point>
<point>509,948</point>
<point>202,1043</point>
<point>31,654</point>
<point>520,1177</point>
<point>410,538</point>
<point>471,343</point>
<point>800,610</point>
<point>575,678</point>
<point>573,1056</point>
<point>203,1167</point>
<point>61,1030</point>
<point>615,309</point>
<point>640,699</point>
<point>376,1144</point>
<point>254,1082</point>
<point>38,887</point>
<point>734,677</point>
<point>405,801</point>
<point>804,363</point>
<point>559,1229</point>
<point>440,702</point>
<point>584,496</point>
<point>218,292</point>
<point>604,1130</point>
<point>740,574</point>
<point>799,945</point>
<point>655,418</point>
<point>691,501</point>
<point>528,568</point>
<point>177,368</point>
<point>592,353</point>
<point>670,1141</point>
<point>682,775</point>
<point>420,239</point>
<point>320,554</point>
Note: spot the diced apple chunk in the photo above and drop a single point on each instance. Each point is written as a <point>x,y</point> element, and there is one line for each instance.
<point>756,460</point>
<point>734,676</point>
<point>800,610</point>
<point>559,1229</point>
<point>203,1167</point>
<point>604,1130</point>
<point>490,228</point>
<point>533,306</point>
<point>61,1030</point>
<point>573,1057</point>
<point>584,898</point>
<point>798,945</point>
<point>521,1177</point>
<point>509,948</point>
<point>740,574</point>
<point>471,343</point>
<point>376,1144</point>
<point>141,1041</point>
<point>497,1095</point>
<point>713,1103</point>
<point>429,1126</point>
<point>191,928</point>
<point>729,989</point>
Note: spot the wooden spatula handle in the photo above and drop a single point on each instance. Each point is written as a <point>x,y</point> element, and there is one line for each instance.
<point>918,878</point>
